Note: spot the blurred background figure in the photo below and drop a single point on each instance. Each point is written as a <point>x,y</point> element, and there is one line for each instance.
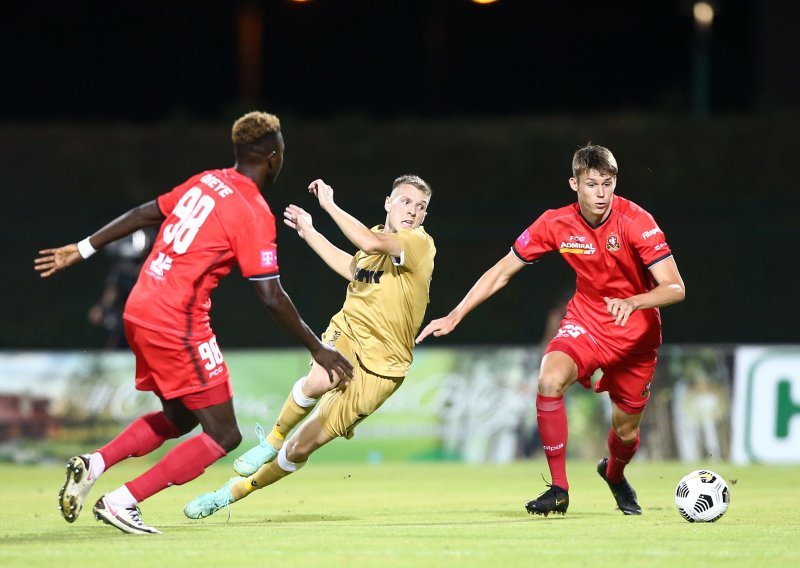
<point>128,254</point>
<point>528,438</point>
<point>699,408</point>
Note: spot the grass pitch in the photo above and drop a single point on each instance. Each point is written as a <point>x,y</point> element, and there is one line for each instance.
<point>432,514</point>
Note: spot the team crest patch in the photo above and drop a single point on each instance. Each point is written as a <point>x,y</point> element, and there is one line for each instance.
<point>612,243</point>
<point>336,335</point>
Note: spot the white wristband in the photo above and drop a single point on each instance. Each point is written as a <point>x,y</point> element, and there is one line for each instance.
<point>85,248</point>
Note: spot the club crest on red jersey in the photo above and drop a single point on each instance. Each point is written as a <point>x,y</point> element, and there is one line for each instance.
<point>612,243</point>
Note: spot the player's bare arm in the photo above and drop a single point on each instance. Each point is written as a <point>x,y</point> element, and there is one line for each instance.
<point>490,282</point>
<point>669,290</point>
<point>280,305</point>
<point>355,231</point>
<point>340,261</point>
<point>54,260</point>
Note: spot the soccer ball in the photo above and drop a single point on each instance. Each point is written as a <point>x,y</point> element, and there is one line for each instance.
<point>702,496</point>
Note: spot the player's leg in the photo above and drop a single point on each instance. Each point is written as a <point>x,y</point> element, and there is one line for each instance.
<point>141,437</point>
<point>291,457</point>
<point>189,459</point>
<point>623,441</point>
<point>628,385</point>
<point>338,414</point>
<point>301,401</point>
<point>213,409</point>
<point>299,404</point>
<point>558,372</point>
<point>150,431</point>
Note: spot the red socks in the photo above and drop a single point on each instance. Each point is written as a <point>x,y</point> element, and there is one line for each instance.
<point>144,435</point>
<point>618,456</point>
<point>551,416</point>
<point>184,462</point>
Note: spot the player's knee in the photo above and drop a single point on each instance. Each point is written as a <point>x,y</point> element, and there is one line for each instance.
<point>228,438</point>
<point>627,433</point>
<point>234,439</point>
<point>318,383</point>
<point>307,390</point>
<point>297,451</point>
<point>286,463</point>
<point>552,384</point>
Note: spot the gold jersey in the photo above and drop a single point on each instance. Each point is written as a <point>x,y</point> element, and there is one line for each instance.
<point>386,303</point>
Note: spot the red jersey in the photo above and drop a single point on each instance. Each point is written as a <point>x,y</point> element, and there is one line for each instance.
<point>611,259</point>
<point>214,219</point>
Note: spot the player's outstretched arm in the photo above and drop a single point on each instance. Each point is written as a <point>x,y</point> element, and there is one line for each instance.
<point>355,231</point>
<point>280,305</point>
<point>669,290</point>
<point>490,282</point>
<point>301,221</point>
<point>53,260</point>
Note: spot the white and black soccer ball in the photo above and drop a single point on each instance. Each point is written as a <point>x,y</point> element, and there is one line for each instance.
<point>702,496</point>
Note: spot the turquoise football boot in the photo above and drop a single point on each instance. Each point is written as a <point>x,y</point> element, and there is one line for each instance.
<point>209,503</point>
<point>249,462</point>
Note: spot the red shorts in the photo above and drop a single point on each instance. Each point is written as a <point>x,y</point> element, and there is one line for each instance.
<point>213,396</point>
<point>172,367</point>
<point>626,378</point>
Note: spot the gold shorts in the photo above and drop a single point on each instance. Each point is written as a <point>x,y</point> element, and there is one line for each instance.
<point>340,411</point>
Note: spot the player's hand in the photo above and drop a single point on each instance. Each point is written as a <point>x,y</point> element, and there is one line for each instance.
<point>437,327</point>
<point>52,261</point>
<point>620,309</point>
<point>323,192</point>
<point>336,364</point>
<point>298,219</point>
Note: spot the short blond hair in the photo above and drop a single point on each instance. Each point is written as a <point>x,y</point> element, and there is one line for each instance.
<point>416,181</point>
<point>253,126</point>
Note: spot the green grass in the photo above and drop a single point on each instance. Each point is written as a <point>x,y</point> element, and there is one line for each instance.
<point>430,514</point>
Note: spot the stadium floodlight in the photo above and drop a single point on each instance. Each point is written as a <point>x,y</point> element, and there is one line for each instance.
<point>701,58</point>
<point>703,14</point>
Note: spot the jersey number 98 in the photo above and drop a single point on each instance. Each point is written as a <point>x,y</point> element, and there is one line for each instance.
<point>210,353</point>
<point>192,211</point>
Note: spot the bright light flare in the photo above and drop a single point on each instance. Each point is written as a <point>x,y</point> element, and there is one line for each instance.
<point>703,13</point>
